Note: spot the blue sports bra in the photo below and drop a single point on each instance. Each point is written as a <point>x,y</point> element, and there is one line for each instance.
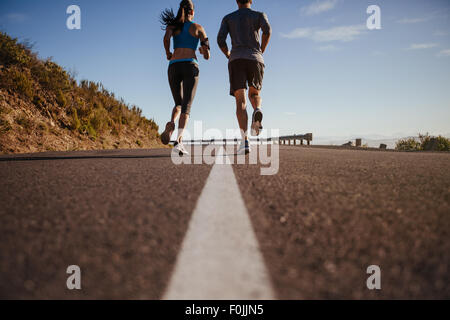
<point>185,39</point>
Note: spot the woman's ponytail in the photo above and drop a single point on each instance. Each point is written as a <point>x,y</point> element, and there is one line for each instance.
<point>168,18</point>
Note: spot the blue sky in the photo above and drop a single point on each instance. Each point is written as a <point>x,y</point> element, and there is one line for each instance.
<point>326,73</point>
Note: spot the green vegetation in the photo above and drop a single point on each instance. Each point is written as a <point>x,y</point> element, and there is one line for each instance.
<point>409,144</point>
<point>13,53</point>
<point>17,80</point>
<point>86,108</point>
<point>425,142</point>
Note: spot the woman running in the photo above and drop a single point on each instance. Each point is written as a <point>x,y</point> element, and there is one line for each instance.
<point>183,67</point>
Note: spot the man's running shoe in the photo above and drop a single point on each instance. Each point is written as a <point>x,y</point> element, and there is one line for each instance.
<point>179,147</point>
<point>257,122</point>
<point>244,148</point>
<point>165,137</point>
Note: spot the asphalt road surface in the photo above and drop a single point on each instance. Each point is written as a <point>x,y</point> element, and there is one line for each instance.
<point>141,227</point>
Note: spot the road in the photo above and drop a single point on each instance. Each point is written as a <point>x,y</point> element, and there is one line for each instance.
<point>141,227</point>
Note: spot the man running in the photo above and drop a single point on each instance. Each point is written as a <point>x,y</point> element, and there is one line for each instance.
<point>246,63</point>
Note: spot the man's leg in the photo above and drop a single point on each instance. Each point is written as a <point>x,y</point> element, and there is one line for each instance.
<point>255,78</point>
<point>257,117</point>
<point>241,112</point>
<point>255,97</point>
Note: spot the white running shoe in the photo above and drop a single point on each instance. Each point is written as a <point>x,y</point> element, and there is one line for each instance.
<point>257,122</point>
<point>181,150</point>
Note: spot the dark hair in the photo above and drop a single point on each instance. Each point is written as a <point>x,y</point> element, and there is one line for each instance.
<point>243,1</point>
<point>168,18</point>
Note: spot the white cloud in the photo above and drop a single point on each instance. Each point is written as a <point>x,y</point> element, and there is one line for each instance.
<point>420,46</point>
<point>16,17</point>
<point>412,20</point>
<point>342,33</point>
<point>318,7</point>
<point>298,33</point>
<point>444,53</point>
<point>328,48</point>
<point>440,33</point>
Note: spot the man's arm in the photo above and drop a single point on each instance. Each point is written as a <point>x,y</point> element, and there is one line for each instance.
<point>166,40</point>
<point>222,38</point>
<point>265,42</point>
<point>267,32</point>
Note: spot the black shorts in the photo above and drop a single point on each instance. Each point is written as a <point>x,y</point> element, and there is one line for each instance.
<point>183,80</point>
<point>243,71</point>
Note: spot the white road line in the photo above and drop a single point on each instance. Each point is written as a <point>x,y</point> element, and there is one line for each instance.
<point>220,257</point>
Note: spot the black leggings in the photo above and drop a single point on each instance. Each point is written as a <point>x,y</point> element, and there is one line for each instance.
<point>183,80</point>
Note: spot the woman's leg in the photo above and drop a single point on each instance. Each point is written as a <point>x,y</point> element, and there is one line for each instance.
<point>184,119</point>
<point>175,114</point>
<point>175,82</point>
<point>190,83</point>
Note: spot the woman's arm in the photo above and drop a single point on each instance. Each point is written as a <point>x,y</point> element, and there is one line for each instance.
<point>167,36</point>
<point>204,48</point>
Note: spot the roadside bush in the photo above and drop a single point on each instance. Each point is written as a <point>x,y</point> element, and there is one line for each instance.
<point>18,81</point>
<point>438,143</point>
<point>410,144</point>
<point>99,120</point>
<point>61,99</point>
<point>91,132</point>
<point>12,52</point>
<point>88,130</point>
<point>51,76</point>
<point>424,142</point>
<point>76,124</point>
<point>443,143</point>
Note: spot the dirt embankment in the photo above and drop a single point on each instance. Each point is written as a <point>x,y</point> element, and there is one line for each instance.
<point>43,108</point>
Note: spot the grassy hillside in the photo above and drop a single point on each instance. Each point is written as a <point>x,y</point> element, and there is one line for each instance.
<point>43,108</point>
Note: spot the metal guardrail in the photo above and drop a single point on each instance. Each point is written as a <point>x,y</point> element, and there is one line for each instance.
<point>286,140</point>
<point>302,137</point>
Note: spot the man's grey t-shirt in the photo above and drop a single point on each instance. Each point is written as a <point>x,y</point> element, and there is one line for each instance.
<point>243,26</point>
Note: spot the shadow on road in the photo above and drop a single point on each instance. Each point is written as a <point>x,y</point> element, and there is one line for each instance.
<point>80,158</point>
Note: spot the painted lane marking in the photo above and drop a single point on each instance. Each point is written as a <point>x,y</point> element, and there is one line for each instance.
<point>220,257</point>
